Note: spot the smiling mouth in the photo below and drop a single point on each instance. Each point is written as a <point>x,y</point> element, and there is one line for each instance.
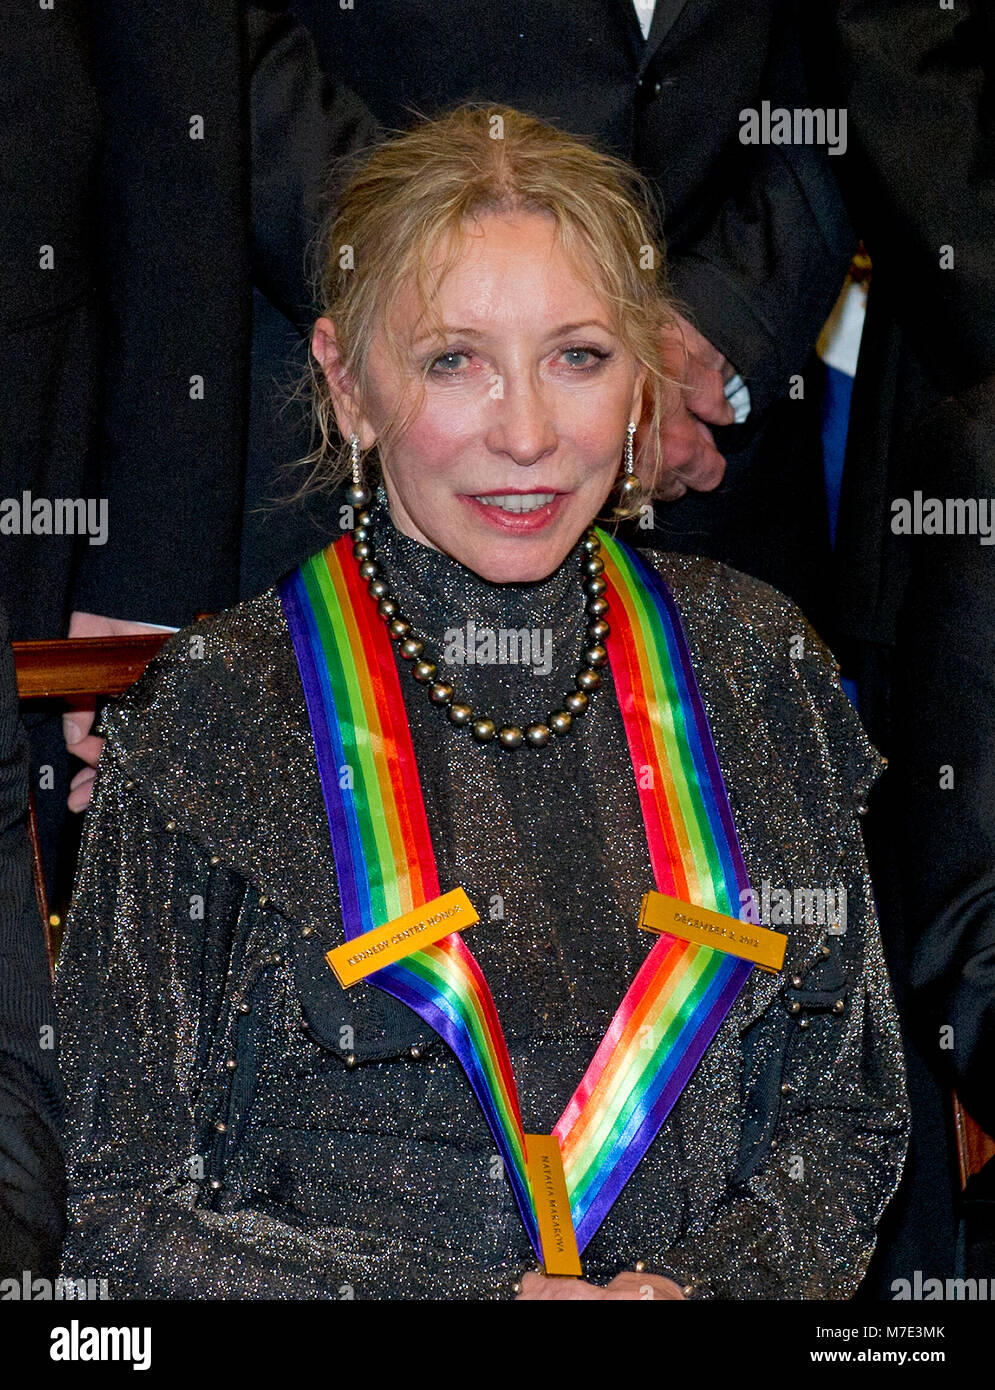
<point>516,501</point>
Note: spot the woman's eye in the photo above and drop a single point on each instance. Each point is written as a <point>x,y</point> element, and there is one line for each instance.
<point>591,356</point>
<point>449,362</point>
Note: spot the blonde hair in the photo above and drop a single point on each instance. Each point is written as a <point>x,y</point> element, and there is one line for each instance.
<point>413,196</point>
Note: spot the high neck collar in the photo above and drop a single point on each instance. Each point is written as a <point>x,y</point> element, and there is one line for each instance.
<point>433,585</point>
<point>439,596</point>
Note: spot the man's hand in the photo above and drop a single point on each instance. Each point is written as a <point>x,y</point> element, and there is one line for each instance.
<point>627,1287</point>
<point>690,457</point>
<point>77,721</point>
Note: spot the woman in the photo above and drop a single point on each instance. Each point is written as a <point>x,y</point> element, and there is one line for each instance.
<point>389,725</point>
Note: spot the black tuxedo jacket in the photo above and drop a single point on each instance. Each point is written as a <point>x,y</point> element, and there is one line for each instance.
<point>755,233</point>
<point>757,236</point>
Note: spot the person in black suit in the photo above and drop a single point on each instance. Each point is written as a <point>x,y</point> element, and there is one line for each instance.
<point>757,237</point>
<point>127,257</point>
<point>32,1168</point>
<point>914,612</point>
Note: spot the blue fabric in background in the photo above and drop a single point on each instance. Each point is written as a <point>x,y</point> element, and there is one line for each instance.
<point>837,392</point>
<point>836,388</point>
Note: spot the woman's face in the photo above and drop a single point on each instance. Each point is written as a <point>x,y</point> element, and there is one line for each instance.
<point>519,438</point>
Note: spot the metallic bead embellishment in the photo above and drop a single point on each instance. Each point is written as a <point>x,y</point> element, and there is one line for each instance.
<point>425,672</point>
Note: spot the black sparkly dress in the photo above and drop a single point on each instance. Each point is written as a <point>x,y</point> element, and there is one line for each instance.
<point>240,1127</point>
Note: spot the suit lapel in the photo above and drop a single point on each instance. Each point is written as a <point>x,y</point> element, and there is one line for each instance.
<point>630,26</point>
<point>665,16</point>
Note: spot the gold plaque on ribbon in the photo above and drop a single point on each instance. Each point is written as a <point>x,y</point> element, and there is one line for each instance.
<point>544,1163</point>
<point>706,928</point>
<point>413,931</point>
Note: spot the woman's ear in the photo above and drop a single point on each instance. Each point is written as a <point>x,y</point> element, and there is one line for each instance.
<point>345,402</point>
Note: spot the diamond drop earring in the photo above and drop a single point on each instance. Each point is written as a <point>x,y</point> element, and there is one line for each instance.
<point>359,494</point>
<point>630,483</point>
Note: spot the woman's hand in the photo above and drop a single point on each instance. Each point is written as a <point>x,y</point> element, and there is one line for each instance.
<point>627,1286</point>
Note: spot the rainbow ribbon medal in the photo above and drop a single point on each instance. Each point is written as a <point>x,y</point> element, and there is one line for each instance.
<point>386,866</point>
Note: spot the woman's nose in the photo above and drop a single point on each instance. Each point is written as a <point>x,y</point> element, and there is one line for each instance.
<point>521,426</point>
